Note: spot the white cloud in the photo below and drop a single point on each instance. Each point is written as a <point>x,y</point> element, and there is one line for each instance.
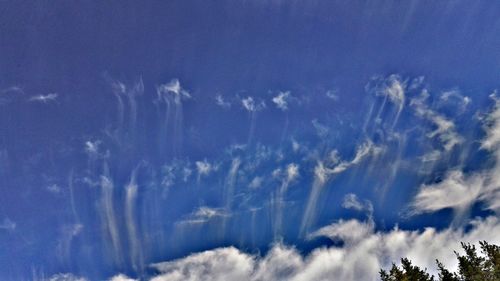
<point>256,182</point>
<point>122,277</point>
<point>174,172</point>
<point>54,188</point>
<point>66,277</point>
<point>219,100</point>
<point>456,97</point>
<point>348,231</point>
<point>204,214</point>
<point>492,127</point>
<point>459,190</point>
<point>394,89</point>
<point>44,98</point>
<point>10,94</point>
<point>219,264</point>
<point>455,191</point>
<point>445,129</point>
<point>288,175</point>
<point>292,172</point>
<point>295,146</point>
<point>321,130</point>
<point>351,201</point>
<point>364,150</point>
<point>92,147</point>
<point>362,255</point>
<point>7,224</point>
<point>251,105</point>
<point>281,100</point>
<point>203,168</point>
<point>165,91</point>
<point>332,94</point>
<point>322,174</point>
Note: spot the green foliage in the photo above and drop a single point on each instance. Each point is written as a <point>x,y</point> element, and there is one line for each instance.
<point>472,266</point>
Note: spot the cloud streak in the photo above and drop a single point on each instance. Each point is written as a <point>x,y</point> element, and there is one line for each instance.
<point>44,98</point>
<point>323,173</point>
<point>459,190</point>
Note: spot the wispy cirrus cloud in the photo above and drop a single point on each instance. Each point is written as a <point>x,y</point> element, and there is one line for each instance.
<point>351,201</point>
<point>252,105</point>
<point>459,190</point>
<point>445,129</point>
<point>322,173</point>
<point>44,98</point>
<point>8,224</point>
<point>220,101</point>
<point>204,214</point>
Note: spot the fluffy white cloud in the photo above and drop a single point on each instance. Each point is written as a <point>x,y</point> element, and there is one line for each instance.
<point>362,255</point>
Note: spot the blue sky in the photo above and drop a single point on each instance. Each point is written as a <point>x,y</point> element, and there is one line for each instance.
<point>251,140</point>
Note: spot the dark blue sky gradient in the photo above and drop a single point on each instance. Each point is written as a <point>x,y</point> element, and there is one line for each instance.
<point>236,49</point>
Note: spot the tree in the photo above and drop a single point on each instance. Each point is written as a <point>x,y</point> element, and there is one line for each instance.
<point>471,267</point>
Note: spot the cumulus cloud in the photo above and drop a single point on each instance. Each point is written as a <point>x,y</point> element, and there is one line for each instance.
<point>281,100</point>
<point>360,257</point>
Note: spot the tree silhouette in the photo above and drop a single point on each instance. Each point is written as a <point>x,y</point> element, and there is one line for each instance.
<point>472,266</point>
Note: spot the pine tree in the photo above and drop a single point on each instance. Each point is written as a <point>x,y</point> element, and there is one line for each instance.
<point>471,267</point>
